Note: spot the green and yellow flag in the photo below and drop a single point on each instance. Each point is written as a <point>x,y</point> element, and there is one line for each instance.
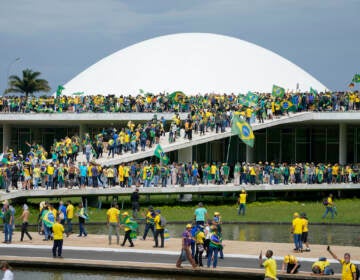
<point>313,91</point>
<point>278,91</point>
<point>252,97</point>
<point>243,130</point>
<point>177,96</point>
<point>159,153</point>
<point>356,78</point>
<point>59,90</point>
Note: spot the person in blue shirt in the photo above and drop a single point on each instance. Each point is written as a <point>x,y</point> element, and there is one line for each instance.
<point>200,214</point>
<point>62,212</point>
<point>83,174</point>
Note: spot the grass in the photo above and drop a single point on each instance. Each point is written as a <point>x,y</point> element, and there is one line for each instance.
<point>270,211</point>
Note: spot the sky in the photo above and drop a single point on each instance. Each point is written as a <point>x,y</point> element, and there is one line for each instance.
<point>62,38</point>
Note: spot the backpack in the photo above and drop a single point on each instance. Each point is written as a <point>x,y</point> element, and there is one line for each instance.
<point>162,221</point>
<point>357,271</point>
<point>325,202</point>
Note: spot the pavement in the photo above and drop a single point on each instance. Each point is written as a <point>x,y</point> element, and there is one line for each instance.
<point>94,252</point>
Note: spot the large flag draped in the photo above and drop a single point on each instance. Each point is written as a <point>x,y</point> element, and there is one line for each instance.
<point>278,91</point>
<point>243,130</point>
<point>177,96</point>
<point>356,78</point>
<point>313,91</point>
<point>59,90</point>
<point>159,153</point>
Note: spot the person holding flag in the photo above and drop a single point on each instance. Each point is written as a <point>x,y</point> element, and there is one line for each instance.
<point>130,226</point>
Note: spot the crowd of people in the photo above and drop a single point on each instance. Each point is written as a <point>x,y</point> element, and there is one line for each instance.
<point>180,102</point>
<point>33,174</point>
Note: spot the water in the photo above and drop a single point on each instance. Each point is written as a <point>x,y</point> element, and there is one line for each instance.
<point>318,234</point>
<point>52,274</point>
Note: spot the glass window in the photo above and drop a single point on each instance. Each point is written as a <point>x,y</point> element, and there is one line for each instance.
<point>303,153</point>
<point>332,134</point>
<point>273,134</point>
<point>333,153</point>
<point>273,152</point>
<point>303,135</point>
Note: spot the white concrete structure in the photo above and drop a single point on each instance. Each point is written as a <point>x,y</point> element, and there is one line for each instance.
<point>193,63</point>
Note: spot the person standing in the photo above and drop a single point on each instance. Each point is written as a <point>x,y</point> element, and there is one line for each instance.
<point>113,223</point>
<point>291,263</point>
<point>199,239</point>
<point>7,223</point>
<point>329,206</point>
<point>348,271</point>
<point>82,217</point>
<point>242,202</point>
<point>25,222</point>
<point>135,202</point>
<point>214,246</point>
<point>58,230</point>
<point>269,264</point>
<point>150,224</point>
<point>159,229</point>
<point>200,214</point>
<point>305,232</point>
<point>62,213</point>
<point>296,230</point>
<point>185,248</point>
<point>8,274</point>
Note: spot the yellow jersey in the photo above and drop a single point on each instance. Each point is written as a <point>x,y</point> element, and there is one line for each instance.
<point>297,226</point>
<point>58,230</point>
<point>347,270</point>
<point>113,215</point>
<point>270,268</point>
<point>70,211</point>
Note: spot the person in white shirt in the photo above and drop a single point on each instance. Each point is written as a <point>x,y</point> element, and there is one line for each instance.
<point>8,274</point>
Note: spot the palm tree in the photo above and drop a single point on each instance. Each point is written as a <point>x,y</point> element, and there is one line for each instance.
<point>28,84</point>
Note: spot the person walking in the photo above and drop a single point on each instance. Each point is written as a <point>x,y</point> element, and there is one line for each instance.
<point>269,264</point>
<point>58,230</point>
<point>242,202</point>
<point>82,218</point>
<point>329,206</point>
<point>113,222</point>
<point>348,271</point>
<point>25,222</point>
<point>200,214</point>
<point>214,246</point>
<point>199,239</point>
<point>185,248</point>
<point>7,223</point>
<point>69,217</point>
<point>125,224</point>
<point>159,229</point>
<point>135,206</point>
<point>150,224</point>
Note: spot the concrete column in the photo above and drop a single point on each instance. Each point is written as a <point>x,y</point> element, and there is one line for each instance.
<point>83,129</point>
<point>36,135</point>
<point>249,154</point>
<point>6,136</point>
<point>342,143</point>
<point>185,155</point>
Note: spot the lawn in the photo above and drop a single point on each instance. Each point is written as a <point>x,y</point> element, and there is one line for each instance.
<point>271,211</point>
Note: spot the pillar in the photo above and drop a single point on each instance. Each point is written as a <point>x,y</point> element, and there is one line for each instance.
<point>249,154</point>
<point>83,129</point>
<point>36,135</point>
<point>6,136</point>
<point>185,155</point>
<point>342,143</point>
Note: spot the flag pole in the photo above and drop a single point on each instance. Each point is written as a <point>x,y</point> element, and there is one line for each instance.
<point>228,151</point>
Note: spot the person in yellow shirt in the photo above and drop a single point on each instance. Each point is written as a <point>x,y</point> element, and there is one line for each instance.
<point>113,222</point>
<point>199,241</point>
<point>159,229</point>
<point>69,217</point>
<point>348,271</point>
<point>322,267</point>
<point>305,232</point>
<point>291,263</point>
<point>242,202</point>
<point>58,230</point>
<point>269,264</point>
<point>297,229</point>
<point>127,229</point>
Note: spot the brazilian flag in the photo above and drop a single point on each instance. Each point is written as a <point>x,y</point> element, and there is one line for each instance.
<point>252,97</point>
<point>177,96</point>
<point>159,153</point>
<point>288,106</point>
<point>278,91</point>
<point>48,218</point>
<point>243,130</point>
<point>313,91</point>
<point>59,90</point>
<point>356,78</point>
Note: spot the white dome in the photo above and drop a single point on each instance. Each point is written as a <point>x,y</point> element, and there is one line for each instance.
<point>193,63</point>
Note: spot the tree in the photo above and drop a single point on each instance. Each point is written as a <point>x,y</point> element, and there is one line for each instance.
<point>28,84</point>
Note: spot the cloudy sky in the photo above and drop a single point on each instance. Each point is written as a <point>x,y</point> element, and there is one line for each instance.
<point>62,38</point>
